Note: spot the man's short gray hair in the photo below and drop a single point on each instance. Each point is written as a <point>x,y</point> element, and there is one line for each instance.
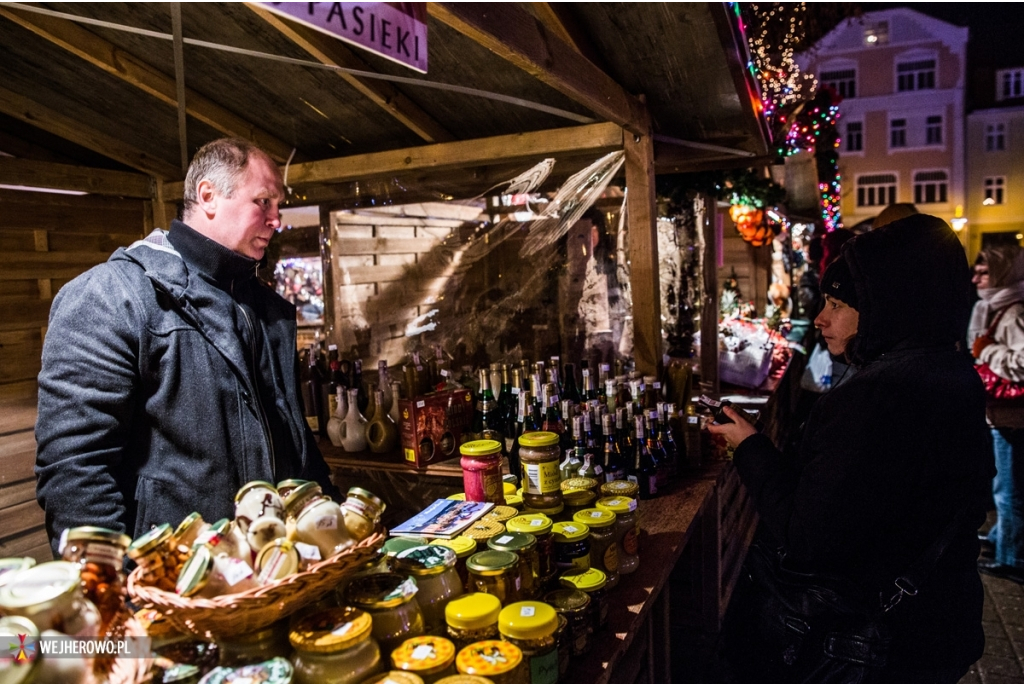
<point>222,162</point>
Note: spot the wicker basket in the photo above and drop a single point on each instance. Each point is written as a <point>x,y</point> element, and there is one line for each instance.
<point>249,611</point>
<point>126,669</point>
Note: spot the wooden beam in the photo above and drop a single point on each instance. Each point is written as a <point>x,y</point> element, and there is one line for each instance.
<point>561,20</point>
<point>552,20</point>
<point>333,52</point>
<point>13,145</point>
<point>71,128</point>
<point>515,147</point>
<point>523,40</point>
<point>113,60</point>
<point>736,52</point>
<point>709,304</point>
<point>644,280</point>
<point>28,172</point>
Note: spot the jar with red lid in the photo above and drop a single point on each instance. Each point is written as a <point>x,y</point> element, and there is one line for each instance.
<point>481,471</point>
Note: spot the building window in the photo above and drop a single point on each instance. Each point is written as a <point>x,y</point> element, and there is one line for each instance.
<point>877,34</point>
<point>876,190</point>
<point>930,187</point>
<point>1009,84</point>
<point>933,130</point>
<point>919,75</point>
<point>854,136</point>
<point>843,81</point>
<point>994,189</point>
<point>898,133</point>
<point>995,137</point>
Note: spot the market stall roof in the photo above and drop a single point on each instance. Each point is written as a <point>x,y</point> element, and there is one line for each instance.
<point>89,93</point>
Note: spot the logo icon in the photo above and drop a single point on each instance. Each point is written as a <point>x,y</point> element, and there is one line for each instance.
<point>24,651</point>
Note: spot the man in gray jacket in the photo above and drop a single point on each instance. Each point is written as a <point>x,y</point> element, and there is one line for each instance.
<point>169,374</point>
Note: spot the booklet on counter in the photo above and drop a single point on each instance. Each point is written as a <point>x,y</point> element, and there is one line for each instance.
<point>445,518</point>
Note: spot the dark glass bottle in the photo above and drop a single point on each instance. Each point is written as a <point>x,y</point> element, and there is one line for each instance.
<point>655,447</point>
<point>506,400</point>
<point>644,469</point>
<point>312,394</point>
<point>614,465</point>
<point>522,423</point>
<point>362,399</point>
<point>569,389</point>
<point>589,386</point>
<point>592,466</point>
<point>622,428</point>
<point>486,416</point>
<point>331,381</point>
<point>552,417</point>
<point>554,374</point>
<point>668,441</point>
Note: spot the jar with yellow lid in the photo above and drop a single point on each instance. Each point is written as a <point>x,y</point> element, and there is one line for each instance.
<point>538,525</point>
<point>276,560</point>
<point>100,554</point>
<point>571,546</point>
<point>395,678</point>
<point>390,599</point>
<point>575,484</point>
<point>428,656</point>
<point>483,530</point>
<point>300,496</point>
<point>155,554</point>
<point>335,646</point>
<point>604,548</point>
<point>463,679</point>
<point>286,486</point>
<point>620,488</point>
<point>437,581</point>
<point>189,529</point>
<point>595,583</point>
<point>250,648</point>
<point>515,500</point>
<point>555,513</point>
<point>524,545</point>
<point>496,573</point>
<point>531,627</point>
<point>321,523</point>
<point>501,513</point>
<point>498,660</point>
<point>577,500</point>
<point>50,595</point>
<point>464,548</point>
<point>626,528</point>
<point>206,574</point>
<point>227,539</point>
<point>508,487</point>
<point>574,605</point>
<point>539,454</point>
<point>457,497</point>
<point>362,510</point>
<point>481,471</point>
<point>472,617</point>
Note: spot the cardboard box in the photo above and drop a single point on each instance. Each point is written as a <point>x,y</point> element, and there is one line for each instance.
<point>432,426</point>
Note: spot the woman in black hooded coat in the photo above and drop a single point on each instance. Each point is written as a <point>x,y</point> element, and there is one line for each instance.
<point>887,460</point>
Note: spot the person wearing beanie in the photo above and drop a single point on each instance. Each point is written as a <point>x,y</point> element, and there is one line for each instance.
<point>996,334</point>
<point>892,462</point>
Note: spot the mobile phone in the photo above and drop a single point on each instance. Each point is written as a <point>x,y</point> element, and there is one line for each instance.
<point>720,417</point>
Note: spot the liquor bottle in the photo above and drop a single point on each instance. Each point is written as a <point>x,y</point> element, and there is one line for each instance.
<point>523,423</point>
<point>591,467</point>
<point>381,432</point>
<point>644,469</point>
<point>569,468</point>
<point>667,439</point>
<point>622,394</point>
<point>554,373</point>
<point>506,400</point>
<point>566,414</point>
<point>603,374</point>
<point>569,389</point>
<point>384,384</point>
<point>486,417</point>
<point>312,394</point>
<point>552,417</point>
<point>357,384</point>
<point>692,439</point>
<point>610,394</point>
<point>622,436</point>
<point>332,381</point>
<point>614,465</point>
<point>655,447</point>
<point>590,387</point>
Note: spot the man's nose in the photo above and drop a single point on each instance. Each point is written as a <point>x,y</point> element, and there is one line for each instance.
<point>274,218</point>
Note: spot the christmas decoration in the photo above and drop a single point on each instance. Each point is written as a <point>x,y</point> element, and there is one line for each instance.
<point>813,127</point>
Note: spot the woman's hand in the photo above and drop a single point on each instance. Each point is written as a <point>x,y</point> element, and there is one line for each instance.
<point>735,432</point>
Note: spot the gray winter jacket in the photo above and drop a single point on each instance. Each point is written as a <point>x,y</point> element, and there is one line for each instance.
<point>148,408</point>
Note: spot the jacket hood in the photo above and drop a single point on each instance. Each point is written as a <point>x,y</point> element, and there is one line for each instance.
<point>913,287</point>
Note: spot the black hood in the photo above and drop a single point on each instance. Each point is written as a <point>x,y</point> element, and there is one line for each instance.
<point>913,287</point>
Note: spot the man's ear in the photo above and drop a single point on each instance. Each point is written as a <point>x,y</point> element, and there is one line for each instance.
<point>207,197</point>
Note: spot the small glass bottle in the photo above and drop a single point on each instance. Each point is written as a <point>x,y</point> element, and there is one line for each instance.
<point>472,617</point>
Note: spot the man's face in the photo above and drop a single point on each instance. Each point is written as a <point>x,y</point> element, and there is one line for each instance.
<point>838,323</point>
<point>246,221</point>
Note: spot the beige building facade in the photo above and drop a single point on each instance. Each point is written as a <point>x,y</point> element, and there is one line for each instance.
<point>995,174</point>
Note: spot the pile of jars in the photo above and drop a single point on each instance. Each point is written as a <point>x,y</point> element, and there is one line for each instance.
<point>277,531</point>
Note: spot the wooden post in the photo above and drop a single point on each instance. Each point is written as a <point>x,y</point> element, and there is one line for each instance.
<point>644,282</point>
<point>327,263</point>
<point>709,310</point>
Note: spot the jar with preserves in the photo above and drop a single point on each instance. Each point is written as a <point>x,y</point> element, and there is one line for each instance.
<point>555,513</point>
<point>227,539</point>
<point>396,678</point>
<point>394,546</point>
<point>472,618</point>
<point>572,546</point>
<point>390,599</point>
<point>531,627</point>
<point>17,631</point>
<point>276,560</point>
<point>500,513</point>
<point>100,554</point>
<point>515,501</point>
<point>189,529</point>
<point>497,660</point>
<point>481,471</point>
<point>496,573</point>
<point>577,500</point>
<point>205,574</point>
<point>428,656</point>
<point>483,530</point>
<point>595,584</point>
<point>362,511</point>
<point>626,527</point>
<point>322,524</point>
<point>574,606</point>
<point>335,646</point>
<point>249,648</point>
<point>156,555</point>
<point>539,454</point>
<point>580,483</point>
<point>10,565</point>
<point>525,547</point>
<point>276,671</point>
<point>437,581</point>
<point>464,548</point>
<point>255,500</point>
<point>539,526</point>
<point>51,596</point>
<point>604,547</point>
<point>620,488</point>
<point>285,487</point>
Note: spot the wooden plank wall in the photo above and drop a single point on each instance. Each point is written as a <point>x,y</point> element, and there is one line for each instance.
<point>46,240</point>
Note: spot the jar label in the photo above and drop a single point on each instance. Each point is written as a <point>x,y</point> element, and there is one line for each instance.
<point>657,386</point>
<point>104,554</point>
<point>236,571</point>
<point>329,522</point>
<point>504,539</point>
<point>314,423</point>
<point>629,542</point>
<point>582,563</point>
<point>632,505</point>
<point>692,420</point>
<point>420,404</point>
<point>570,529</point>
<point>611,558</point>
<point>598,470</point>
<point>536,522</point>
<point>342,629</point>
<point>596,514</point>
<point>424,652</point>
<point>543,478</point>
<point>515,391</point>
<point>544,668</point>
<point>527,611</point>
<point>633,480</point>
<point>308,552</point>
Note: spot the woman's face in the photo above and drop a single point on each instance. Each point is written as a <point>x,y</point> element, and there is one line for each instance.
<point>980,278</point>
<point>838,323</point>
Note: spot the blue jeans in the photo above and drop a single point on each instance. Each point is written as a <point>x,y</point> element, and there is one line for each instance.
<point>1008,492</point>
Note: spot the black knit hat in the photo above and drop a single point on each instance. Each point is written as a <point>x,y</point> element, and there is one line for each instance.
<point>838,283</point>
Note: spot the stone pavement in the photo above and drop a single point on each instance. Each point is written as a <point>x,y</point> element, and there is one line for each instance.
<point>1003,617</point>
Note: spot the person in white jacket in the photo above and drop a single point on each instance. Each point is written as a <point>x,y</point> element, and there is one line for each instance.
<point>996,334</point>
